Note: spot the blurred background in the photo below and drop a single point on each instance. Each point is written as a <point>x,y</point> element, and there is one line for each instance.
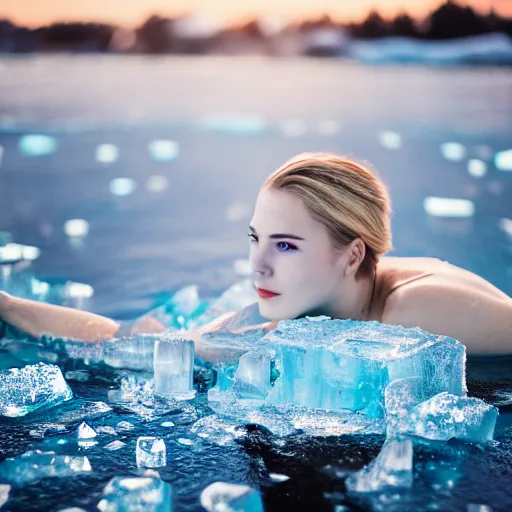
<point>134,134</point>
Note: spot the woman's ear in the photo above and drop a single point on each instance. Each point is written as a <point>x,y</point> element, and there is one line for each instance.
<point>356,251</point>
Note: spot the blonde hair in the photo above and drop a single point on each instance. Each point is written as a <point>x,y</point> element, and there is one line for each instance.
<point>344,196</point>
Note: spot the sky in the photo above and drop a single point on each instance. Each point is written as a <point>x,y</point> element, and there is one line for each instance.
<point>131,13</point>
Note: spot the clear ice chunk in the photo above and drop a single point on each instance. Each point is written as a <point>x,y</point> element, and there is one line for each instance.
<point>25,390</point>
<point>115,445</point>
<point>252,377</point>
<point>391,468</point>
<point>445,416</point>
<point>174,368</point>
<point>150,452</point>
<point>86,432</point>
<point>133,494</point>
<point>4,494</point>
<point>339,366</point>
<point>35,465</point>
<point>218,430</point>
<point>223,496</point>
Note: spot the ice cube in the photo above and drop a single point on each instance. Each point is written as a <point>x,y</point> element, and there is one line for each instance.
<point>133,494</point>
<point>223,496</point>
<point>86,432</point>
<point>36,465</point>
<point>445,416</point>
<point>4,494</point>
<point>252,377</point>
<point>174,368</point>
<point>150,452</point>
<point>391,468</point>
<point>340,366</point>
<point>25,390</point>
<point>115,445</point>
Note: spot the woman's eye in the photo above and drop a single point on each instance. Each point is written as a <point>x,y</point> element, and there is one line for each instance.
<point>252,237</point>
<point>285,247</point>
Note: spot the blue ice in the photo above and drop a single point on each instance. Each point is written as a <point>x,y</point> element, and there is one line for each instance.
<point>445,416</point>
<point>231,497</point>
<point>133,494</point>
<point>37,145</point>
<point>337,365</point>
<point>25,390</point>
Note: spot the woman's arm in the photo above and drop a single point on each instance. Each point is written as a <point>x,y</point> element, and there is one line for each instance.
<point>39,318</point>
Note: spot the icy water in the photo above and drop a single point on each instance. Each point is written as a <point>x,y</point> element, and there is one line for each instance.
<point>232,121</point>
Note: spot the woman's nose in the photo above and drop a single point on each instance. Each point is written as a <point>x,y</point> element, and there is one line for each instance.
<point>259,264</point>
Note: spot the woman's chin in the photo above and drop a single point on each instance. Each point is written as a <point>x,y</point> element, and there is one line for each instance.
<point>271,311</point>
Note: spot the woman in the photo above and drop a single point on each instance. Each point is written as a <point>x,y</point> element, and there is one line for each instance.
<point>320,227</point>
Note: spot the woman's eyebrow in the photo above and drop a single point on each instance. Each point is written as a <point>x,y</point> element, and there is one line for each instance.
<point>279,235</point>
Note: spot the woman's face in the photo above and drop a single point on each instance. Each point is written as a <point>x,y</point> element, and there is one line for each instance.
<point>292,256</point>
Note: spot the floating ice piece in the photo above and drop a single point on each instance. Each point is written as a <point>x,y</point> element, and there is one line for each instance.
<point>453,151</point>
<point>35,465</point>
<point>122,186</point>
<point>164,150</point>
<point>174,368</point>
<point>72,509</point>
<point>278,477</point>
<point>472,507</point>
<point>37,145</point>
<point>4,494</point>
<point>25,390</point>
<point>12,253</point>
<point>134,494</point>
<point>503,160</point>
<point>167,424</point>
<point>115,445</point>
<point>477,168</point>
<point>124,426</point>
<point>222,496</point>
<point>110,431</point>
<point>391,468</point>
<point>107,153</point>
<point>448,207</point>
<point>218,430</point>
<point>86,432</point>
<point>157,183</point>
<point>253,376</point>
<point>390,140</point>
<point>150,452</point>
<point>445,416</point>
<point>76,228</point>
<point>80,410</point>
<point>185,441</point>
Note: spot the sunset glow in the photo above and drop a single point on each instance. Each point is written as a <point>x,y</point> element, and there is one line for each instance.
<point>131,13</point>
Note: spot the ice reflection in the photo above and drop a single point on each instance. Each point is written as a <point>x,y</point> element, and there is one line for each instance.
<point>447,207</point>
<point>453,151</point>
<point>122,186</point>
<point>477,168</point>
<point>503,160</point>
<point>76,228</point>
<point>107,153</point>
<point>163,150</point>
<point>37,145</point>
<point>390,140</point>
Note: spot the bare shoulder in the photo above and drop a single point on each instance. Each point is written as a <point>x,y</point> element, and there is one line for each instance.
<point>479,319</point>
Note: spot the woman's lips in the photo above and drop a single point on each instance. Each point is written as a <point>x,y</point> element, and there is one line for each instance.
<point>266,294</point>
